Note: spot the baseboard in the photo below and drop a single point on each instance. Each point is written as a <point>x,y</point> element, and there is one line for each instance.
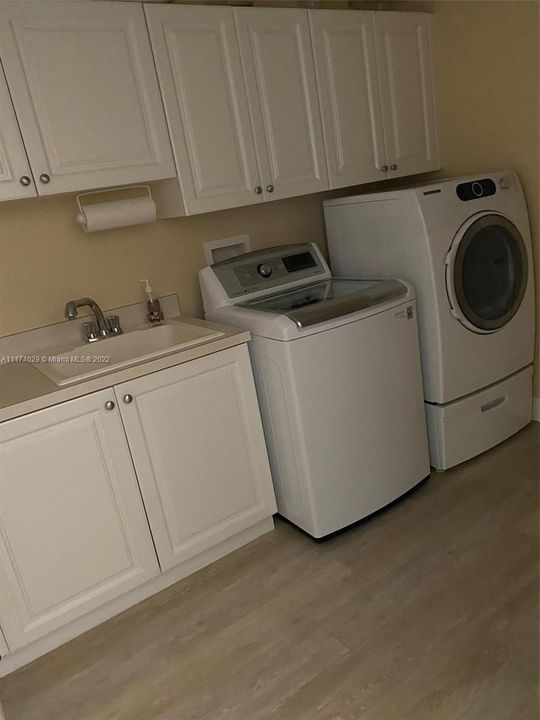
<point>536,409</point>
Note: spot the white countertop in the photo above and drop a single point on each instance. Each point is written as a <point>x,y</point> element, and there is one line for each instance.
<point>23,389</point>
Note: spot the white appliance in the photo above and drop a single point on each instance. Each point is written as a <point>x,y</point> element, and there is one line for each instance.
<point>337,370</point>
<point>465,245</point>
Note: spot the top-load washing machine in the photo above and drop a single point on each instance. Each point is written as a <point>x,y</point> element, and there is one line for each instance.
<point>337,370</point>
<point>465,245</point>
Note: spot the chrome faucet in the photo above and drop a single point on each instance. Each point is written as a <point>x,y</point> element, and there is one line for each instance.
<point>101,327</point>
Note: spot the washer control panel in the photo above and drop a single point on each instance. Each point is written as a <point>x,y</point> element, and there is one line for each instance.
<point>264,269</point>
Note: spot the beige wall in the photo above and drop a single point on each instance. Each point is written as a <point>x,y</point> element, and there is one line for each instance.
<point>46,258</point>
<point>487,66</point>
<point>486,57</point>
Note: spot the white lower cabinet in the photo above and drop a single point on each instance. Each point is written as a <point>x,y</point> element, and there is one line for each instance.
<point>197,444</point>
<point>73,532</point>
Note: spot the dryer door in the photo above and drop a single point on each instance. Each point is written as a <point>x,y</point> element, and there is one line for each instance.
<point>486,272</point>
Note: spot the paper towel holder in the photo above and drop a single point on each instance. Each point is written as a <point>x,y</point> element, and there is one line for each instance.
<point>81,217</point>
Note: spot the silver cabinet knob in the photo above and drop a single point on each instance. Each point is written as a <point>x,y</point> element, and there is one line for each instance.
<point>258,190</point>
<point>44,178</point>
<point>384,168</point>
<point>25,180</point>
<point>109,405</point>
<point>269,188</point>
<point>127,398</point>
<point>393,166</point>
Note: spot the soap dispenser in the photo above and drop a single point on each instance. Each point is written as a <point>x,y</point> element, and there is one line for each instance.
<point>154,313</point>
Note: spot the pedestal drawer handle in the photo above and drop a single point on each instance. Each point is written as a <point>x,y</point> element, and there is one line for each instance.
<point>493,403</point>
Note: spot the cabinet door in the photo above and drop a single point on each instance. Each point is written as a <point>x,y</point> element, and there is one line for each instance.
<point>277,58</point>
<point>85,91</point>
<point>196,440</point>
<point>73,532</point>
<point>14,167</point>
<point>344,51</point>
<point>199,70</point>
<point>403,41</point>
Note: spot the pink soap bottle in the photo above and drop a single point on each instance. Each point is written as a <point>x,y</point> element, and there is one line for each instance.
<point>154,313</point>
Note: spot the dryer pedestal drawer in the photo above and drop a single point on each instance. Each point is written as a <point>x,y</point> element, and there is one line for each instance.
<point>462,429</point>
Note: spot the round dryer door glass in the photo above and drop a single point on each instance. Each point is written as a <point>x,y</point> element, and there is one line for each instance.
<point>487,273</point>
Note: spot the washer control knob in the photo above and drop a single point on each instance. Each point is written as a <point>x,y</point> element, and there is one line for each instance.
<point>505,183</point>
<point>264,270</point>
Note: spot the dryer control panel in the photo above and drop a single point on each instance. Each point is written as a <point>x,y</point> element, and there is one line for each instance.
<point>476,189</point>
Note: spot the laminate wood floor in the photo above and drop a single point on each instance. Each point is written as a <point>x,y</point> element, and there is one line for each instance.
<point>428,611</point>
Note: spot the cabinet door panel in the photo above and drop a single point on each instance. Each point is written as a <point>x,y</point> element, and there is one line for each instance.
<point>344,52</point>
<point>404,58</point>
<point>86,94</point>
<point>13,161</point>
<point>73,532</point>
<point>275,47</point>
<point>197,444</point>
<point>199,69</point>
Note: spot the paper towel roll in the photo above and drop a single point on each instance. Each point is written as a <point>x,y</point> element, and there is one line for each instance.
<point>117,213</point>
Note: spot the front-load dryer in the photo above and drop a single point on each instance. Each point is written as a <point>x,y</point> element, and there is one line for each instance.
<point>337,370</point>
<point>465,244</point>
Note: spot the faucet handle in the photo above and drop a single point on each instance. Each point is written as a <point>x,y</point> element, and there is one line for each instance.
<point>89,331</point>
<point>113,323</point>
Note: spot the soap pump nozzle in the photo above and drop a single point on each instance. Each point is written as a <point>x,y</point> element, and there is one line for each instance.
<point>154,312</point>
<point>147,289</point>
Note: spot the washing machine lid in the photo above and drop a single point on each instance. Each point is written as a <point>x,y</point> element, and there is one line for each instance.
<point>328,299</point>
<point>486,272</point>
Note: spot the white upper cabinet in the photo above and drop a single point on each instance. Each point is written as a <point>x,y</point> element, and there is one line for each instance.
<point>260,103</point>
<point>196,440</point>
<point>15,175</point>
<point>344,52</point>
<point>74,534</point>
<point>277,59</point>
<point>85,92</point>
<point>403,42</point>
<point>198,64</point>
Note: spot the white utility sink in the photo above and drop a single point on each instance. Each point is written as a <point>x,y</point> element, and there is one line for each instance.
<point>87,360</point>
